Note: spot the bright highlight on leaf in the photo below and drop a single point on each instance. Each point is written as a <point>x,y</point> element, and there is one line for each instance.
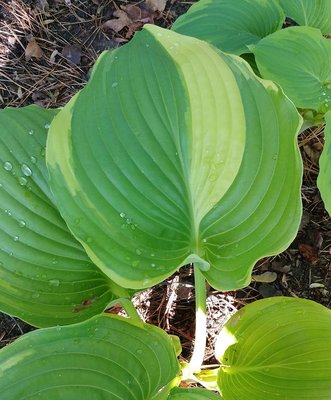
<point>280,349</point>
<point>106,357</point>
<point>299,60</point>
<point>45,276</point>
<point>166,159</point>
<point>324,177</point>
<point>314,13</point>
<point>231,25</point>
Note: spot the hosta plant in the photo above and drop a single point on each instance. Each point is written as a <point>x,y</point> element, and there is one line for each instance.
<point>173,153</point>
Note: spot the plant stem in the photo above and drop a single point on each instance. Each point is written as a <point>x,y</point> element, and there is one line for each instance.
<point>129,308</point>
<point>200,322</point>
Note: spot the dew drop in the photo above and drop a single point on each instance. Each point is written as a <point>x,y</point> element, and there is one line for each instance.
<point>7,166</point>
<point>22,181</point>
<point>146,282</point>
<point>31,132</point>
<point>35,295</point>
<point>153,265</point>
<point>33,159</point>
<point>139,252</point>
<point>54,261</point>
<point>139,351</point>
<point>135,263</point>
<point>16,238</point>
<point>152,255</point>
<point>204,240</point>
<point>122,215</point>
<point>275,156</point>
<point>47,126</point>
<point>147,45</point>
<point>114,84</point>
<point>43,276</point>
<point>58,328</point>
<point>26,170</point>
<point>54,282</point>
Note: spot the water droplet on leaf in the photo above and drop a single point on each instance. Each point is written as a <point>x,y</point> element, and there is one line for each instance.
<point>26,170</point>
<point>7,166</point>
<point>54,282</point>
<point>22,181</point>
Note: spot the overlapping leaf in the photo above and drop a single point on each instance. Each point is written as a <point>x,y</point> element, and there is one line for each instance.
<point>315,13</point>
<point>231,25</point>
<point>106,357</point>
<point>178,156</point>
<point>324,177</point>
<point>299,59</point>
<point>193,394</point>
<point>45,276</point>
<point>277,348</point>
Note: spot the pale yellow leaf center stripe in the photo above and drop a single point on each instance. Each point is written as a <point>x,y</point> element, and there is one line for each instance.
<point>215,122</point>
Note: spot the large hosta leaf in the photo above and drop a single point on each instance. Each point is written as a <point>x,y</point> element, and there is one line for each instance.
<point>277,348</point>
<point>174,156</point>
<point>45,276</point>
<point>193,394</point>
<point>231,25</point>
<point>324,177</point>
<point>315,13</point>
<point>106,357</point>
<point>299,59</point>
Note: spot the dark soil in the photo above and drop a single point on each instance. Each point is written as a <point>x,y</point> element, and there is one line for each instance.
<point>71,35</point>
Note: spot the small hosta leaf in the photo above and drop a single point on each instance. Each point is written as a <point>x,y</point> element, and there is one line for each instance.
<point>45,276</point>
<point>106,357</point>
<point>306,80</point>
<point>277,348</point>
<point>231,25</point>
<point>324,177</point>
<point>168,159</point>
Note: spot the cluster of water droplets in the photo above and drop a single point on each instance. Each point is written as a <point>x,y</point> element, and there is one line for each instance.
<point>128,222</point>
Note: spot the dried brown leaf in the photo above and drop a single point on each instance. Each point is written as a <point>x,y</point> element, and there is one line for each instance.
<point>119,23</point>
<point>33,49</point>
<point>156,5</point>
<point>309,253</point>
<point>72,53</point>
<point>266,277</point>
<point>41,99</point>
<point>133,12</point>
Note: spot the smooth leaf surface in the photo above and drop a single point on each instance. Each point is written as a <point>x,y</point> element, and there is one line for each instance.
<point>168,158</point>
<point>324,177</point>
<point>299,60</point>
<point>316,14</point>
<point>45,276</point>
<point>193,394</point>
<point>106,357</point>
<point>231,25</point>
<point>278,348</point>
